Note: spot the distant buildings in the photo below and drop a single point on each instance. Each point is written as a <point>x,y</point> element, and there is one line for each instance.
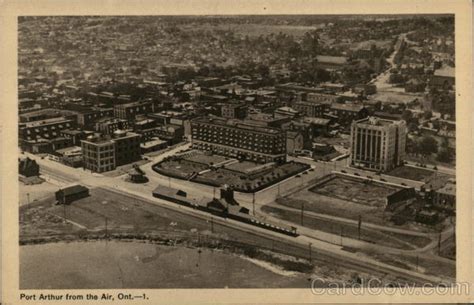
<point>331,62</point>
<point>237,139</point>
<point>87,118</point>
<point>445,197</point>
<point>310,109</point>
<point>105,153</point>
<point>443,78</point>
<point>110,125</point>
<point>234,111</point>
<point>378,144</point>
<point>128,111</point>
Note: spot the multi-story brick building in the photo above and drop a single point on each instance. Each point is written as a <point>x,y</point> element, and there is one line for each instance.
<point>310,109</point>
<point>44,129</point>
<point>103,153</point>
<point>234,111</point>
<point>98,154</point>
<point>127,147</point>
<point>378,144</point>
<point>236,139</point>
<point>128,111</point>
<point>88,118</point>
<point>109,125</point>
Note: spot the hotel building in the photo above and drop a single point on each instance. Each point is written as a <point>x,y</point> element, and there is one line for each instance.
<point>236,139</point>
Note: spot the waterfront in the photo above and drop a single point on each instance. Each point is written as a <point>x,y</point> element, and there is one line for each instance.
<point>110,264</point>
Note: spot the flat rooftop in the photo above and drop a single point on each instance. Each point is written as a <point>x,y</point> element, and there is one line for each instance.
<point>238,124</point>
<point>47,122</point>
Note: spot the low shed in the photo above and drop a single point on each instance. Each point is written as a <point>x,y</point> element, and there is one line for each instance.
<point>71,193</point>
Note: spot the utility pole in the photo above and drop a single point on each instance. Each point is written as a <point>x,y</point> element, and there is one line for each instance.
<point>310,254</point>
<point>253,203</point>
<point>341,234</point>
<point>360,224</point>
<point>302,212</point>
<point>106,232</point>
<point>439,242</point>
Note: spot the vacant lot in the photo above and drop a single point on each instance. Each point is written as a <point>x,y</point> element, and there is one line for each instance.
<point>356,190</point>
<point>35,192</point>
<point>122,214</point>
<point>347,230</point>
<point>411,173</point>
<point>331,206</point>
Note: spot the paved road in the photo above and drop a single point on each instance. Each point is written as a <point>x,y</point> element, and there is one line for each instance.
<point>144,191</point>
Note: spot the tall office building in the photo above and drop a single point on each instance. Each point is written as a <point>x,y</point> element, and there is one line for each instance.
<point>378,144</point>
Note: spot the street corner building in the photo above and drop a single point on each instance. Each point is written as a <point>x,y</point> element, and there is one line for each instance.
<point>378,144</point>
<point>106,152</point>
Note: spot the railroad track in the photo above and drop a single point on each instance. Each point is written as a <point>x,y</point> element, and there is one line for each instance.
<point>259,237</point>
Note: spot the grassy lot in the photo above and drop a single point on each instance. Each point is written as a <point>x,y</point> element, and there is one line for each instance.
<point>332,206</point>
<point>355,190</point>
<point>427,266</point>
<point>411,173</point>
<point>123,214</point>
<point>448,249</point>
<point>348,230</point>
<point>36,192</point>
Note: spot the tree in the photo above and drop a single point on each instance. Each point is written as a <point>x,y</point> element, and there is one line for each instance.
<point>444,156</point>
<point>427,115</point>
<point>407,115</point>
<point>428,145</point>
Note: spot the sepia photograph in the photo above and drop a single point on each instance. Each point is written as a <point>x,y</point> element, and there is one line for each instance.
<point>312,151</point>
<point>195,151</point>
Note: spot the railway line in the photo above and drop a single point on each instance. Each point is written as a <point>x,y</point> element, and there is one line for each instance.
<point>319,252</point>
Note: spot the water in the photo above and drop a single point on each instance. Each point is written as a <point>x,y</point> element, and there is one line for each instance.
<point>108,265</point>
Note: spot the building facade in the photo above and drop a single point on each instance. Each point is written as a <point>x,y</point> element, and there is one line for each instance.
<point>127,147</point>
<point>234,111</point>
<point>130,110</point>
<point>236,139</point>
<point>98,154</point>
<point>110,125</point>
<point>378,144</point>
<point>88,118</point>
<point>44,129</point>
<point>310,109</point>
